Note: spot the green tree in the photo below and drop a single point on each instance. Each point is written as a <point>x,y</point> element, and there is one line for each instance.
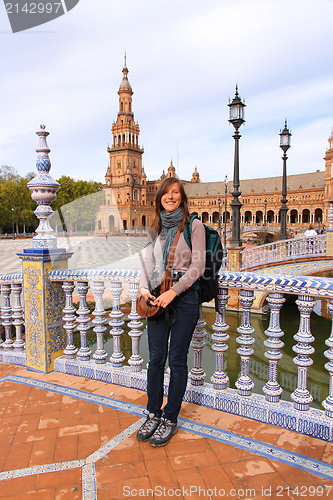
<point>8,173</point>
<point>76,203</point>
<point>16,206</point>
<point>71,190</point>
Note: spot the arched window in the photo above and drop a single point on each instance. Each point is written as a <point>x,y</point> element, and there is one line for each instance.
<point>293,216</point>
<point>306,216</point>
<point>111,222</point>
<point>318,215</point>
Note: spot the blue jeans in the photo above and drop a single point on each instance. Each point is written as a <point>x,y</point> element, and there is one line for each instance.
<point>179,327</point>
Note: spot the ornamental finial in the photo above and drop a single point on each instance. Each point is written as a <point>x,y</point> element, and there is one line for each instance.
<point>43,190</point>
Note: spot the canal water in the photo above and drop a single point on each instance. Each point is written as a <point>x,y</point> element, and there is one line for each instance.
<point>318,378</point>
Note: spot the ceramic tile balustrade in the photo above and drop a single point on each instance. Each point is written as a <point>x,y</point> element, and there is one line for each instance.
<point>285,250</point>
<point>266,407</point>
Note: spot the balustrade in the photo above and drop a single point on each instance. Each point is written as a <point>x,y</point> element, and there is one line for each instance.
<point>83,320</point>
<point>17,316</point>
<point>12,318</point>
<point>284,250</point>
<point>197,374</point>
<point>240,399</point>
<point>99,320</point>
<point>135,325</point>
<point>220,379</point>
<point>7,317</point>
<point>272,389</point>
<point>244,384</point>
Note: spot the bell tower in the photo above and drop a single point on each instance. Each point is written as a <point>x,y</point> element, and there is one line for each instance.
<point>329,175</point>
<point>125,174</point>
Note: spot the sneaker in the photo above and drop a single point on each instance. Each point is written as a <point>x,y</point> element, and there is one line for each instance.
<point>163,433</point>
<point>148,428</point>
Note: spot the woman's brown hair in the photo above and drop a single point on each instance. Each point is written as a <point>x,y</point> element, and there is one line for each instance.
<point>165,184</point>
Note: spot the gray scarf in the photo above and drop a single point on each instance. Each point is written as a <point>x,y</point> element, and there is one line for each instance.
<point>170,224</point>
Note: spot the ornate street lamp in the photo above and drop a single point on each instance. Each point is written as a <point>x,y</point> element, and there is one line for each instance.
<point>219,202</point>
<point>236,117</point>
<point>285,136</point>
<point>13,222</point>
<point>225,251</point>
<point>265,218</point>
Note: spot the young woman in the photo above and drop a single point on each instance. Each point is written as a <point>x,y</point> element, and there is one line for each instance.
<point>171,332</point>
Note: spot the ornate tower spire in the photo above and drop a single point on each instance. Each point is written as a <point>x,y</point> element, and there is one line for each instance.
<point>171,171</point>
<point>125,153</point>
<point>43,190</point>
<point>195,176</point>
<point>125,93</point>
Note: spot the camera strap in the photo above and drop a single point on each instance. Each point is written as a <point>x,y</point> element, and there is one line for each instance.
<point>170,260</point>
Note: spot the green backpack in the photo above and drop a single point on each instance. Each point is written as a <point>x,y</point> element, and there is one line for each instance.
<point>207,285</point>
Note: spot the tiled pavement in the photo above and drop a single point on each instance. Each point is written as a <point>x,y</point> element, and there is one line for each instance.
<point>63,437</point>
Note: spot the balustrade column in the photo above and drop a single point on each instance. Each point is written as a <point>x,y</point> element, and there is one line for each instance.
<point>244,384</point>
<point>117,359</point>
<point>328,403</point>
<point>135,325</point>
<point>83,321</point>
<point>272,389</point>
<point>69,319</point>
<point>301,396</point>
<point>7,317</point>
<point>220,379</point>
<point>17,316</point>
<point>197,374</point>
<point>99,320</point>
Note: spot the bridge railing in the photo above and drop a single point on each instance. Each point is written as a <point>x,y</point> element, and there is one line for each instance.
<point>216,393</point>
<point>280,251</point>
<point>259,227</point>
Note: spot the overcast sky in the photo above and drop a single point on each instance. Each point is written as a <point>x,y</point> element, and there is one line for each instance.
<point>184,59</point>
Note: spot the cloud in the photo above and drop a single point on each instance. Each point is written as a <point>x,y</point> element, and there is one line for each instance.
<point>184,60</point>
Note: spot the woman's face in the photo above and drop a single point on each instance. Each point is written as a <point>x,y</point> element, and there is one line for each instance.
<point>172,198</point>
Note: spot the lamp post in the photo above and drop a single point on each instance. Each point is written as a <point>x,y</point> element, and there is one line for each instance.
<point>220,229</point>
<point>13,222</point>
<point>225,251</point>
<point>265,217</point>
<point>285,136</point>
<point>236,117</point>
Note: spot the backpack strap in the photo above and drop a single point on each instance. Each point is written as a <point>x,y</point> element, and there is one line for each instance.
<point>187,235</point>
<point>173,250</point>
<point>188,229</point>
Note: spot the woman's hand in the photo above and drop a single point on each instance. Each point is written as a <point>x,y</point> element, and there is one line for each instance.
<point>165,298</point>
<point>147,295</point>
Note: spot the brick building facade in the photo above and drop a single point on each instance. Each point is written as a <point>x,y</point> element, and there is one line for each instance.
<point>130,197</point>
